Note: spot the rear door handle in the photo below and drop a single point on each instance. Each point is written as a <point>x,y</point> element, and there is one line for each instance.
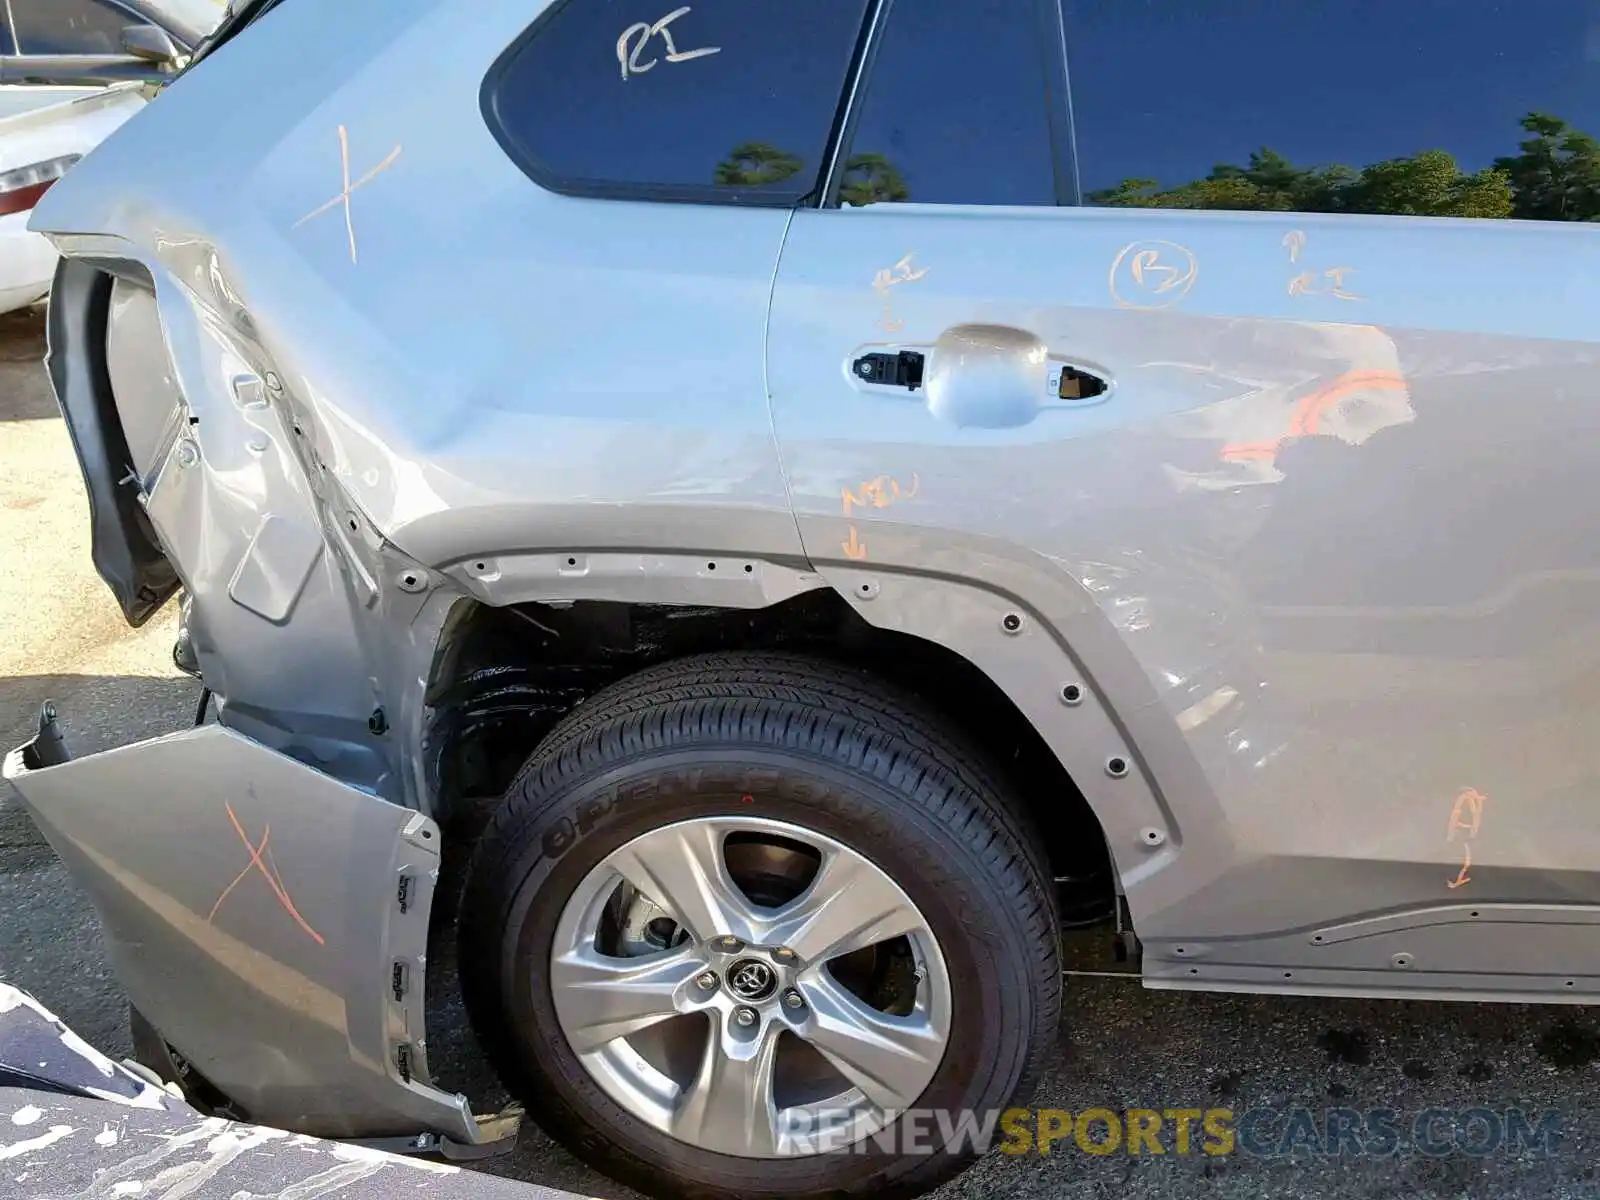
<point>982,376</point>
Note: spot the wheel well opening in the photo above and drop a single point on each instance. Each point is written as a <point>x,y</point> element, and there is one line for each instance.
<point>503,677</point>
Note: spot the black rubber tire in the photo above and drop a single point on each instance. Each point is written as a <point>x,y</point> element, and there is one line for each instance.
<point>828,748</point>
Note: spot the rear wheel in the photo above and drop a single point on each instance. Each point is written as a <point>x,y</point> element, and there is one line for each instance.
<point>739,913</point>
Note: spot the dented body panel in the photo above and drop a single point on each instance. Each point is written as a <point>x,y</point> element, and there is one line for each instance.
<point>1303,603</point>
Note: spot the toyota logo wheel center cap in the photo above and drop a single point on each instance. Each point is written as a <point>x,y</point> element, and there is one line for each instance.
<point>752,979</point>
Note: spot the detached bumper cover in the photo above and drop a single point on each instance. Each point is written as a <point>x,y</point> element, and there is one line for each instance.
<point>271,921</point>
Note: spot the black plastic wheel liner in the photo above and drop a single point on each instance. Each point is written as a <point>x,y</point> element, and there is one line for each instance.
<point>122,543</point>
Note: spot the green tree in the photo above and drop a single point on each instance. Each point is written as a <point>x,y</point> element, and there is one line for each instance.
<point>1130,193</point>
<point>1426,184</point>
<point>1429,184</point>
<point>1267,183</point>
<point>872,179</point>
<point>755,164</point>
<point>1557,175</point>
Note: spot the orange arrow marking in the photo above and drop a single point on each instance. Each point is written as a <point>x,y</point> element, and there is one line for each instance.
<point>855,547</point>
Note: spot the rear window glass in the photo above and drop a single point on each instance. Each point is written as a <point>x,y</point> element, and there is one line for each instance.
<point>729,100</point>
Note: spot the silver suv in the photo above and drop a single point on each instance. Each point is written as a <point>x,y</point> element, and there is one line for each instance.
<point>735,518</point>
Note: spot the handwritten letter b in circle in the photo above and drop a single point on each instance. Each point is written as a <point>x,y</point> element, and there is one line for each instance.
<point>1150,275</point>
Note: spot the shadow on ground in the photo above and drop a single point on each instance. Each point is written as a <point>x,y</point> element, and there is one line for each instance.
<point>25,393</point>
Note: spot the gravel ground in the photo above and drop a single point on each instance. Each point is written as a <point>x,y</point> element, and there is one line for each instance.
<point>1120,1046</point>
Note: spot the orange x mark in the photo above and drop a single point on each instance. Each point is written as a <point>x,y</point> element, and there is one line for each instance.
<point>261,860</point>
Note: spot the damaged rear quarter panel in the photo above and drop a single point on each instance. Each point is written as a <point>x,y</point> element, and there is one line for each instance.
<point>357,406</point>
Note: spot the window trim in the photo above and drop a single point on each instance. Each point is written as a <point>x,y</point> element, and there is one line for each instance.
<point>603,189</point>
<point>1058,112</point>
<point>844,130</point>
<point>135,18</point>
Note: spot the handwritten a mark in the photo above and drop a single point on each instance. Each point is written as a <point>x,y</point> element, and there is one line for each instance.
<point>1152,275</point>
<point>1305,283</point>
<point>891,277</point>
<point>344,196</point>
<point>643,31</point>
<point>261,860</point>
<point>853,546</point>
<point>1466,817</point>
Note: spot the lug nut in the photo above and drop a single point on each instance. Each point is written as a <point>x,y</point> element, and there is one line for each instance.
<point>783,954</point>
<point>706,981</point>
<point>793,999</point>
<point>729,943</point>
<point>745,1017</point>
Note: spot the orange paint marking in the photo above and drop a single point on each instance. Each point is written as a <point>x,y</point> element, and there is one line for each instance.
<point>1466,865</point>
<point>1308,413</point>
<point>1466,815</point>
<point>261,860</point>
<point>1307,416</point>
<point>881,492</point>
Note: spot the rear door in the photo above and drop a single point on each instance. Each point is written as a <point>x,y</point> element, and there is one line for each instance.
<point>1278,394</point>
<point>71,43</point>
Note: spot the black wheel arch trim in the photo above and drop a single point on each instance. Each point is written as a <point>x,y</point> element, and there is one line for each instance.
<point>123,543</point>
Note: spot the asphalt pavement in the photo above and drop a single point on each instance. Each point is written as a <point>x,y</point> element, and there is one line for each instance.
<point>1120,1047</point>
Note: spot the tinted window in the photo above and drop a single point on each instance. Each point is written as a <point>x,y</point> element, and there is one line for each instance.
<point>1426,107</point>
<point>69,27</point>
<point>718,99</point>
<point>956,109</point>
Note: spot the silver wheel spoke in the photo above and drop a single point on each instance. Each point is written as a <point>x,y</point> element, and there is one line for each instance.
<point>713,1082</point>
<point>728,1106</point>
<point>600,998</point>
<point>850,905</point>
<point>681,868</point>
<point>889,1058</point>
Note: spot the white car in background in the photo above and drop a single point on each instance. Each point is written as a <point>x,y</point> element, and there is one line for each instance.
<point>71,71</point>
<point>43,132</point>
